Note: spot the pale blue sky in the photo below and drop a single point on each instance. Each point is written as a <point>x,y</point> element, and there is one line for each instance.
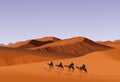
<point>26,19</point>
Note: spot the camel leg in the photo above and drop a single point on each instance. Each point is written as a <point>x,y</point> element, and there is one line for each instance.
<point>63,68</point>
<point>72,69</point>
<point>85,71</point>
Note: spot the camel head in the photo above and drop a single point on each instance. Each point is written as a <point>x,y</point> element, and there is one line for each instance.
<point>77,67</point>
<point>65,65</point>
<point>56,65</point>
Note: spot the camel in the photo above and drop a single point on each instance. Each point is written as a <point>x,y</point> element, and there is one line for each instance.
<point>60,66</point>
<point>82,68</point>
<point>70,67</point>
<point>50,64</point>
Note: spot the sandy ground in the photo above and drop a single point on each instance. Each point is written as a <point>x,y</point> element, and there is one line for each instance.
<point>101,68</point>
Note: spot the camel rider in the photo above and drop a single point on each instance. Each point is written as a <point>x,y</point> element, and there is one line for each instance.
<point>60,64</point>
<point>51,63</point>
<point>83,66</point>
<point>72,64</point>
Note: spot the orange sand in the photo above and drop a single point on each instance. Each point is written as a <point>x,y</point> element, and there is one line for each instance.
<point>102,67</point>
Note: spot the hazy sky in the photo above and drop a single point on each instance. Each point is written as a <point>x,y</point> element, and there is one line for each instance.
<point>25,19</point>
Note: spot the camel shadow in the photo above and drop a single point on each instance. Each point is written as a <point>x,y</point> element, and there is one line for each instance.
<point>69,74</point>
<point>58,72</point>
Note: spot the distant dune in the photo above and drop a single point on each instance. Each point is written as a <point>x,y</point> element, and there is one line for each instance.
<point>118,41</point>
<point>2,45</point>
<point>48,48</point>
<point>115,44</point>
<point>76,46</point>
<point>34,42</point>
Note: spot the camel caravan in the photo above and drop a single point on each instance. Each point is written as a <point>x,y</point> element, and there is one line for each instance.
<point>70,67</point>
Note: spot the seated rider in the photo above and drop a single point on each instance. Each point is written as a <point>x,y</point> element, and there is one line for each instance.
<point>83,66</point>
<point>71,65</point>
<point>51,63</point>
<point>60,64</point>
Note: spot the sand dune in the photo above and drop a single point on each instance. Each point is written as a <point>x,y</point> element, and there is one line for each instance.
<point>114,53</point>
<point>49,48</point>
<point>118,41</point>
<point>2,45</point>
<point>49,38</point>
<point>102,67</point>
<point>76,46</point>
<point>34,42</point>
<point>115,44</point>
<point>12,56</point>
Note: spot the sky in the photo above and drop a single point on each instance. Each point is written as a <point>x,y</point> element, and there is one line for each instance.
<point>28,19</point>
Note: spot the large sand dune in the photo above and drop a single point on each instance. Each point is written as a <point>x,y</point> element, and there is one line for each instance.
<point>76,46</point>
<point>12,56</point>
<point>48,48</point>
<point>34,42</point>
<point>102,67</point>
